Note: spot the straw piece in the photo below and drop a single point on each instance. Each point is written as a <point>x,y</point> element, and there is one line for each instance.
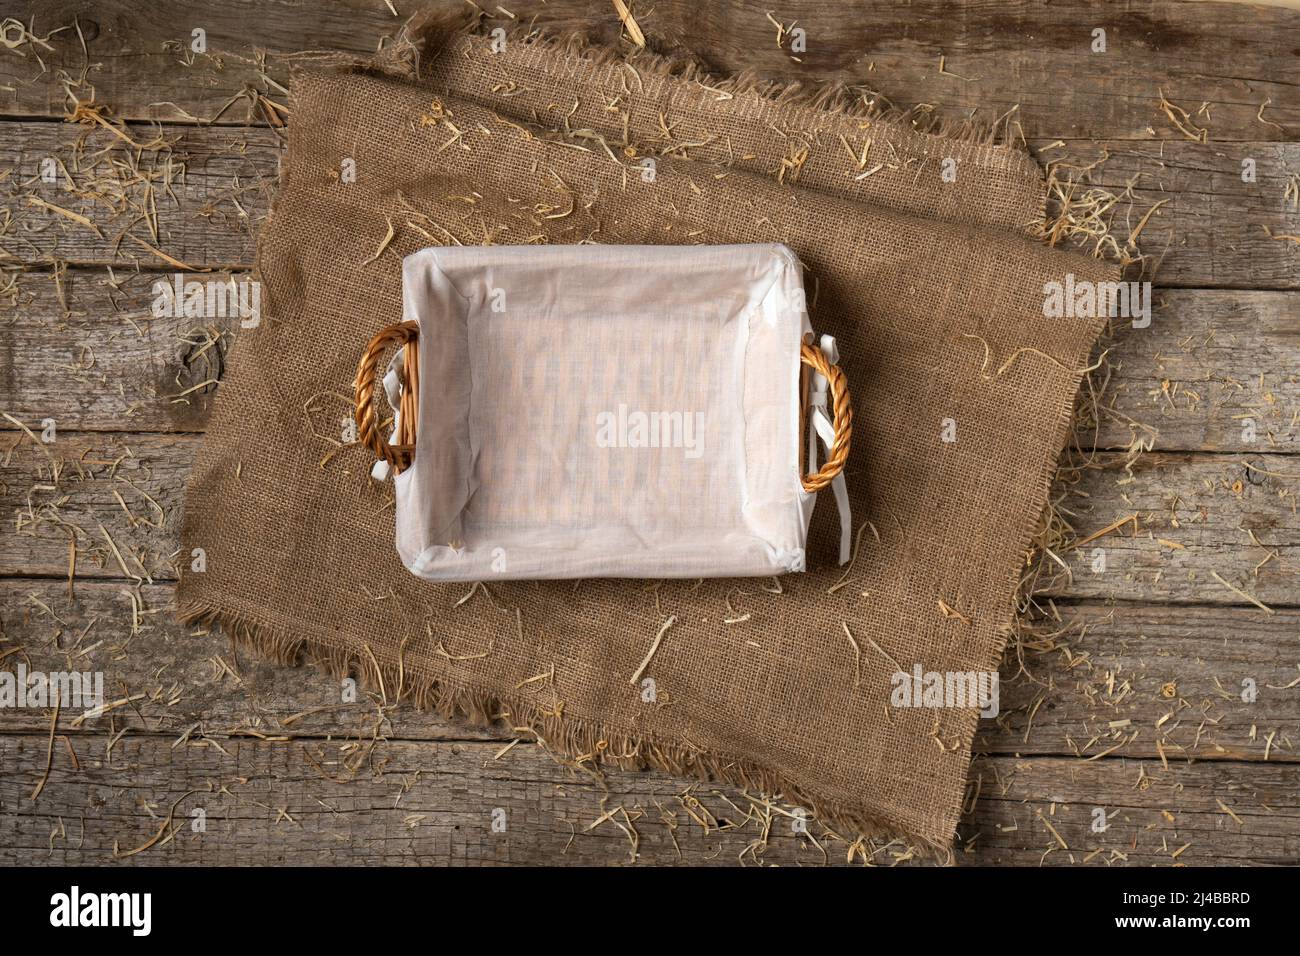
<point>633,29</point>
<point>654,646</point>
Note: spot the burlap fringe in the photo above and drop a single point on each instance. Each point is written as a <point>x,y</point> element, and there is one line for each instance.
<point>578,740</point>
<point>425,35</point>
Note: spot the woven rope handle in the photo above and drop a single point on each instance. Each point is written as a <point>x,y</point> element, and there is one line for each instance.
<point>370,434</point>
<point>816,359</point>
<point>369,428</point>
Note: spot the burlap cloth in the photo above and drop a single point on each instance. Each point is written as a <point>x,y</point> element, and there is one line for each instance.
<point>933,289</point>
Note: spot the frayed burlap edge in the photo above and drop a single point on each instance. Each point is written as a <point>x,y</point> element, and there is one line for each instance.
<point>580,740</point>
<point>428,34</point>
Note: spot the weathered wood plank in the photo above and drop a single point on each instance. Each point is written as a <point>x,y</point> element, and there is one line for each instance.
<point>1215,371</point>
<point>1221,814</point>
<point>992,58</point>
<point>1219,212</point>
<point>193,681</point>
<point>196,194</point>
<point>397,802</point>
<point>1174,682</point>
<point>1195,513</point>
<point>109,504</point>
<point>86,350</point>
<point>1188,518</point>
<point>1134,680</point>
<point>1210,229</point>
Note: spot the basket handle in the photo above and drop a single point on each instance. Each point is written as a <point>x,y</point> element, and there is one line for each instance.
<point>368,422</point>
<point>407,333</point>
<point>816,359</point>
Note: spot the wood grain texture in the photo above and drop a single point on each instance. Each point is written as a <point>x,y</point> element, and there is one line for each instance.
<point>1222,814</point>
<point>87,349</point>
<point>1195,516</point>
<point>436,802</point>
<point>1219,212</point>
<point>1214,371</point>
<point>1035,59</point>
<point>205,189</point>
<point>1130,706</point>
<point>1132,680</point>
<point>1209,229</point>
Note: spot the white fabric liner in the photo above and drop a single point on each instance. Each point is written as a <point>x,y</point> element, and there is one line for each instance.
<point>531,458</point>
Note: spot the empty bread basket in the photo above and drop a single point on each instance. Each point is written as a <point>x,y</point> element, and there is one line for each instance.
<point>604,411</point>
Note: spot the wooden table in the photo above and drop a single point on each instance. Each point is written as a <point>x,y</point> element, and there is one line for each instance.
<point>1129,733</point>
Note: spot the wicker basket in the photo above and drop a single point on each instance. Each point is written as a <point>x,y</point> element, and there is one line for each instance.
<point>505,463</point>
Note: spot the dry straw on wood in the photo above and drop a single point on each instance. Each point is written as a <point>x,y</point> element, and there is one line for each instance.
<point>540,142</point>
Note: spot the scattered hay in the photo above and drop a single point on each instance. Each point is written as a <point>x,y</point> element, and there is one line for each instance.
<point>1082,215</point>
<point>18,38</point>
<point>1268,122</point>
<point>97,176</point>
<point>1182,120</point>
